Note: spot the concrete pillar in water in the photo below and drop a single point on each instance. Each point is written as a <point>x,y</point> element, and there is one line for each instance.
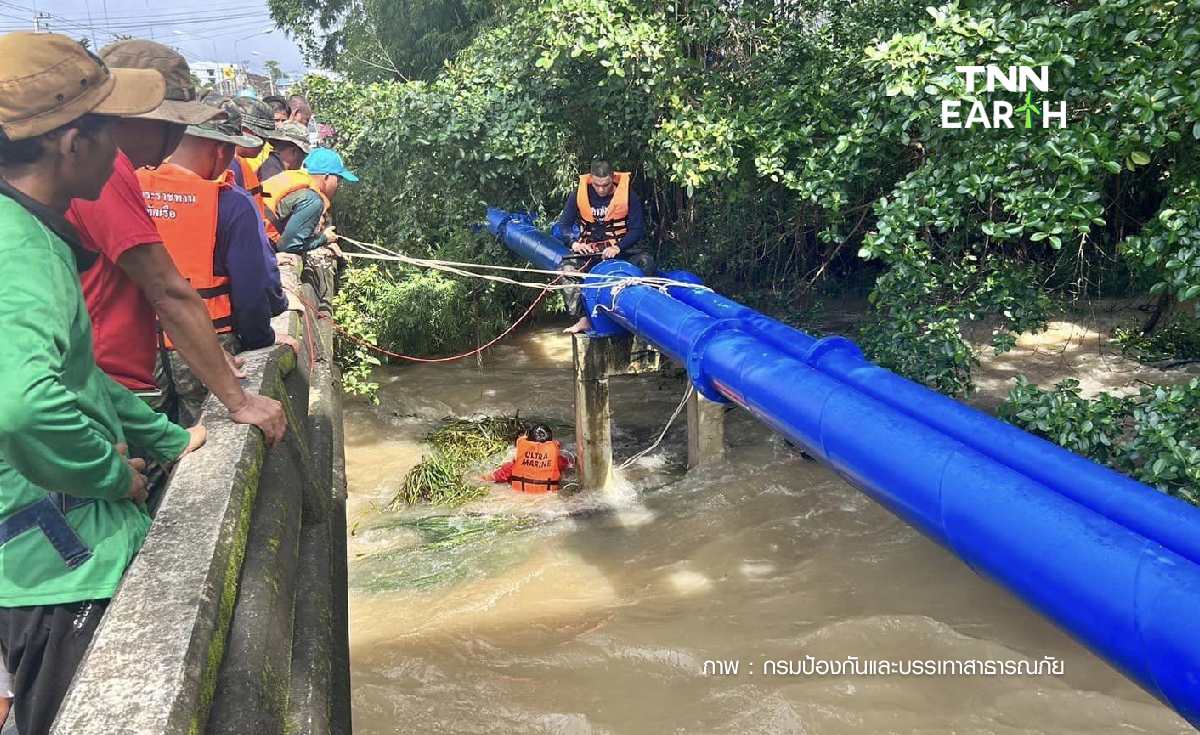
<point>593,416</point>
<point>706,430</point>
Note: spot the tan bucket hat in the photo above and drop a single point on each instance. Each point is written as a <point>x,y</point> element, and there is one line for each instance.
<point>48,80</point>
<point>180,105</point>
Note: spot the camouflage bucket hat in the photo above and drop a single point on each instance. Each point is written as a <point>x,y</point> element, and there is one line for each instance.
<point>290,132</point>
<point>256,115</point>
<point>180,105</point>
<point>225,130</point>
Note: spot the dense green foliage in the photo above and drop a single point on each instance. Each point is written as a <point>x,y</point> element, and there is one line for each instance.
<point>786,149</point>
<point>1153,436</point>
<point>370,40</point>
<point>1176,341</point>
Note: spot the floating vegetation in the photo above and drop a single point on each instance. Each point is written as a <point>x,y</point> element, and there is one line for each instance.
<point>440,479</point>
<point>445,475</point>
<point>476,439</point>
<point>452,548</point>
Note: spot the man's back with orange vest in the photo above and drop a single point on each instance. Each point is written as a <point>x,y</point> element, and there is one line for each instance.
<point>215,236</point>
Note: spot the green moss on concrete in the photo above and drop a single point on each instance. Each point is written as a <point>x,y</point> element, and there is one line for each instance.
<point>229,593</point>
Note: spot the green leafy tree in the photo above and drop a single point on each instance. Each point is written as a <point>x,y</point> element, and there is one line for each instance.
<point>274,72</point>
<point>371,40</point>
<point>787,149</point>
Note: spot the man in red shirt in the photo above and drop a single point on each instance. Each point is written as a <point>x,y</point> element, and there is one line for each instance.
<point>135,279</point>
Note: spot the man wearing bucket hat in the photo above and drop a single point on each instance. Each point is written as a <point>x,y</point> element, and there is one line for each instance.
<point>135,281</point>
<point>289,146</point>
<point>71,513</point>
<point>298,207</point>
<point>256,121</point>
<point>213,233</point>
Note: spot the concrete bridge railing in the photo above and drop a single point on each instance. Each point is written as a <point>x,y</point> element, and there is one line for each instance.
<point>233,618</point>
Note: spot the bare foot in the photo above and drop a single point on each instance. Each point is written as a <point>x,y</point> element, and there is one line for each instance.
<point>579,327</point>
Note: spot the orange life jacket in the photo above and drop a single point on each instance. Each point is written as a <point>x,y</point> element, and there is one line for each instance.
<point>184,209</point>
<point>279,186</point>
<point>252,184</point>
<point>610,226</point>
<point>535,469</point>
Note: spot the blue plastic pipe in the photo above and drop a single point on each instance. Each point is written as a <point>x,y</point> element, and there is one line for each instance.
<point>1115,590</point>
<point>518,232</point>
<point>1128,597</point>
<point>1171,522</point>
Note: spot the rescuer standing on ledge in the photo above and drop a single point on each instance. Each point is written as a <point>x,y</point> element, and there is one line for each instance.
<point>603,218</point>
<point>71,502</point>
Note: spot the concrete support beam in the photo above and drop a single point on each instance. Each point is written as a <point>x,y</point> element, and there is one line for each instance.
<point>339,658</point>
<point>706,430</point>
<point>596,360</point>
<point>593,417</point>
<point>309,707</point>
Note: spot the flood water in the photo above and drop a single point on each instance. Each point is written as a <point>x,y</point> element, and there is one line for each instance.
<point>540,614</point>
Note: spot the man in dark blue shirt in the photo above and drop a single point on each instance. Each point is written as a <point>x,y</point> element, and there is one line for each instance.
<point>257,123</point>
<point>237,253</point>
<point>602,218</point>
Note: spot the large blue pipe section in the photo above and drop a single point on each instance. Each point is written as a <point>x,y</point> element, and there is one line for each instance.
<point>517,231</point>
<point>1121,580</point>
<point>1169,521</point>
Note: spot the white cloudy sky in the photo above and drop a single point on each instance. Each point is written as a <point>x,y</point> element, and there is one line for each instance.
<point>203,30</point>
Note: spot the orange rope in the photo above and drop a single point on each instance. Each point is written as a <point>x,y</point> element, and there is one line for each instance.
<point>376,348</point>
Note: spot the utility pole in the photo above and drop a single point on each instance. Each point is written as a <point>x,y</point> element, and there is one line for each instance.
<point>38,20</point>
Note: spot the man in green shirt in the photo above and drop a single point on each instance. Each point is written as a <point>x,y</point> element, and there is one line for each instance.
<point>72,512</point>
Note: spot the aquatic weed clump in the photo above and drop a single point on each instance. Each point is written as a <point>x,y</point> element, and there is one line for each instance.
<point>476,439</point>
<point>441,477</point>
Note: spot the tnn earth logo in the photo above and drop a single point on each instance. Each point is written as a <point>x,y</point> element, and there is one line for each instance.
<point>1025,79</point>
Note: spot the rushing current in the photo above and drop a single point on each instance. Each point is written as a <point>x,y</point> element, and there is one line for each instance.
<point>758,595</point>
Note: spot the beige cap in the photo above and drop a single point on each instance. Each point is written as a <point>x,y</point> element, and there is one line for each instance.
<point>48,80</point>
<point>180,105</point>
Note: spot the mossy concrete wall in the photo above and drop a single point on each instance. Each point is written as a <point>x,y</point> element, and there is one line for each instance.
<point>232,619</point>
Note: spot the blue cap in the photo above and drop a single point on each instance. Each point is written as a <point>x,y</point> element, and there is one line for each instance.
<point>326,161</point>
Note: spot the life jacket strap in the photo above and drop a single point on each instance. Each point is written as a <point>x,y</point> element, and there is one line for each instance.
<point>214,291</point>
<point>549,484</point>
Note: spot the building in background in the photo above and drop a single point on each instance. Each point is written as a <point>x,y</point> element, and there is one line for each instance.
<point>220,78</point>
<point>232,79</point>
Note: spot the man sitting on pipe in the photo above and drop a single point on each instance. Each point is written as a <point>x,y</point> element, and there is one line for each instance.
<point>602,219</point>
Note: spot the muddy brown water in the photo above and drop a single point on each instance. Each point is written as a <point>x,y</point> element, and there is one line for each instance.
<point>600,614</point>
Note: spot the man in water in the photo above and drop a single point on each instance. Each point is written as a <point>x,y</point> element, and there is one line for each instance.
<point>538,464</point>
<point>607,215</point>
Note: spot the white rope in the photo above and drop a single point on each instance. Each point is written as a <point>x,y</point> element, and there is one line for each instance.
<point>616,282</point>
<point>678,409</point>
<point>590,280</point>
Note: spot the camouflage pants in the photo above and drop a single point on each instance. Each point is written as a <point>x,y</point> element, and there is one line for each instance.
<point>182,391</point>
<point>289,276</point>
<point>321,268</point>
